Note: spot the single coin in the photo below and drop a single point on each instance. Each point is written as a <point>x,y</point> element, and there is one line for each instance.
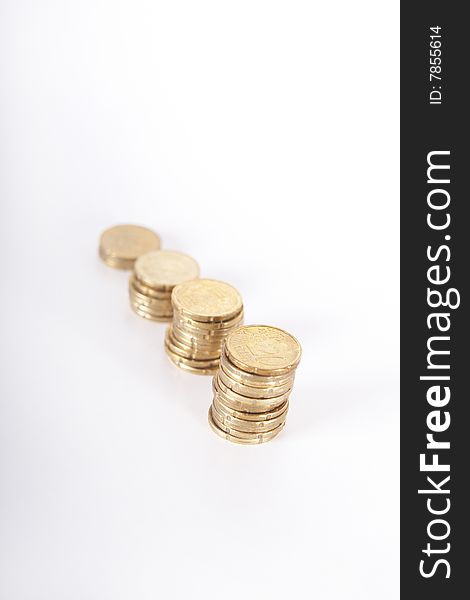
<point>163,269</point>
<point>207,300</point>
<point>121,245</point>
<point>248,416</point>
<point>263,350</point>
<point>253,392</point>
<point>178,362</point>
<point>257,439</point>
<point>245,425</point>
<point>244,403</point>
<point>261,381</point>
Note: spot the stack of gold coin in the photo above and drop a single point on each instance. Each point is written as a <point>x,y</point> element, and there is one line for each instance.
<point>253,383</point>
<point>121,245</point>
<point>205,311</point>
<point>153,279</point>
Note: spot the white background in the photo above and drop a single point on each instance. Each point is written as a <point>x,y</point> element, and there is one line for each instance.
<point>261,138</point>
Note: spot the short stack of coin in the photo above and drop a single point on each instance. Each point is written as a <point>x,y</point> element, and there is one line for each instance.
<point>205,311</point>
<point>253,383</point>
<point>153,279</point>
<point>121,245</point>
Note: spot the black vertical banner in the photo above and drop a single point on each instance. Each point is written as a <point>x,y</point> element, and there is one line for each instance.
<point>435,253</point>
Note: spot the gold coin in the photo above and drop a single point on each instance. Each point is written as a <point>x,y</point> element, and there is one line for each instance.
<point>246,435</point>
<point>261,381</point>
<point>244,425</point>
<point>252,406</point>
<point>116,263</point>
<point>151,306</point>
<point>195,338</point>
<point>195,363</point>
<point>163,269</point>
<point>121,245</point>
<point>188,351</point>
<point>255,439</point>
<point>149,301</point>
<point>195,346</point>
<point>263,350</point>
<point>253,392</point>
<point>210,328</point>
<point>245,415</point>
<point>244,403</point>
<point>182,364</point>
<point>144,290</point>
<point>150,316</point>
<point>207,300</point>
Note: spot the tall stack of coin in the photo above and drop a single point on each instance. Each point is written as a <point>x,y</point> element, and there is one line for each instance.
<point>252,386</point>
<point>121,245</point>
<point>153,279</point>
<point>205,311</point>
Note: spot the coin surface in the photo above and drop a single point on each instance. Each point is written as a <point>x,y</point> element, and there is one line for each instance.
<point>243,403</point>
<point>255,439</point>
<point>210,327</point>
<point>195,363</point>
<point>207,300</point>
<point>244,425</point>
<point>190,352</point>
<point>121,245</point>
<point>250,392</point>
<point>163,269</point>
<point>151,316</point>
<point>246,435</point>
<point>157,303</point>
<point>182,364</point>
<point>146,291</point>
<point>219,402</point>
<point>263,350</point>
<point>260,381</point>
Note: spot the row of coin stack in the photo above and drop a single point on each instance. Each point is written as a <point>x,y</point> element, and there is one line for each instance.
<point>253,366</point>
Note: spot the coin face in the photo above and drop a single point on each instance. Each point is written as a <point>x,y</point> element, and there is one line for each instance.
<point>207,300</point>
<point>163,269</point>
<point>264,350</point>
<point>121,245</point>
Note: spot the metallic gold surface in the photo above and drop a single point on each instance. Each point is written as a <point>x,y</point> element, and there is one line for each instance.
<point>205,311</point>
<point>226,410</point>
<point>263,350</point>
<point>121,245</point>
<point>186,366</point>
<point>252,439</point>
<point>155,275</point>
<point>245,425</point>
<point>162,270</point>
<point>185,351</point>
<point>207,300</point>
<point>243,403</point>
<point>252,386</point>
<point>260,381</point>
<point>252,392</point>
